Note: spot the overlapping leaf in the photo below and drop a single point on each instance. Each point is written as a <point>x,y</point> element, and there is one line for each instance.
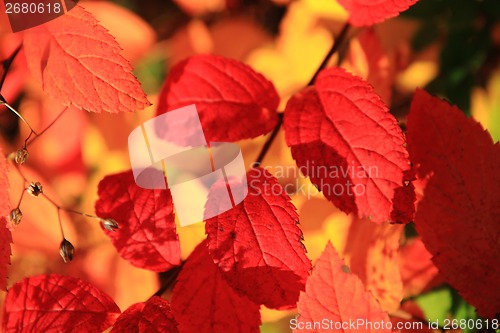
<point>418,272</point>
<point>78,62</point>
<point>257,244</point>
<point>5,234</point>
<point>56,303</point>
<point>345,140</point>
<point>202,301</point>
<point>459,213</point>
<point>146,235</point>
<point>233,101</point>
<point>368,12</point>
<point>373,253</point>
<point>147,317</point>
<point>335,294</point>
<point>371,61</point>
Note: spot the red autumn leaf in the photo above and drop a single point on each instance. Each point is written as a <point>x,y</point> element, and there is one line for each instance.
<point>56,303</point>
<point>146,236</point>
<point>233,101</point>
<point>368,12</point>
<point>5,234</point>
<point>78,62</point>
<point>5,251</point>
<point>257,244</point>
<point>202,301</point>
<point>335,294</point>
<point>146,317</point>
<point>418,272</point>
<point>4,186</point>
<point>458,215</point>
<point>345,140</point>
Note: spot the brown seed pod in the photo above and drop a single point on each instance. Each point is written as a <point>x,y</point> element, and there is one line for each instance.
<point>35,189</point>
<point>109,224</point>
<point>66,250</point>
<point>22,156</point>
<point>16,216</point>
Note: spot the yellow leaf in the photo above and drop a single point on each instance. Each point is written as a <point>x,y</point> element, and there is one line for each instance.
<point>486,106</point>
<point>297,53</point>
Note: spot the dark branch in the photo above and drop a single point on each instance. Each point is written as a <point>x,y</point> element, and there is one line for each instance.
<point>335,47</point>
<point>267,145</point>
<point>7,63</point>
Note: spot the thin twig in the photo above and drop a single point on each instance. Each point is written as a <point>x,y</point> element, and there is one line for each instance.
<point>69,210</point>
<point>22,195</point>
<point>45,129</point>
<point>268,143</point>
<point>335,47</point>
<point>60,222</point>
<point>4,102</point>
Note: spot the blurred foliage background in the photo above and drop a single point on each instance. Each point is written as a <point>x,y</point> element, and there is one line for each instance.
<point>449,47</point>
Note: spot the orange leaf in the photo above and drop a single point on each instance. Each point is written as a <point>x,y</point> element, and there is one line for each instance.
<point>78,62</point>
<point>370,61</point>
<point>417,270</point>
<point>335,294</point>
<point>136,37</point>
<point>373,252</point>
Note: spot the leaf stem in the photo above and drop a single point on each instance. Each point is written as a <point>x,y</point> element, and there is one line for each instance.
<point>7,63</point>
<point>269,141</point>
<point>22,195</point>
<point>60,222</point>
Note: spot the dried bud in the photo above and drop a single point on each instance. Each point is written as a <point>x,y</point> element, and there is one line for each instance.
<point>16,216</point>
<point>35,189</point>
<point>109,224</point>
<point>66,250</point>
<point>21,156</point>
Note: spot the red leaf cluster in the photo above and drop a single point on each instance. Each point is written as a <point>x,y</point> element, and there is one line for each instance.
<point>342,136</point>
